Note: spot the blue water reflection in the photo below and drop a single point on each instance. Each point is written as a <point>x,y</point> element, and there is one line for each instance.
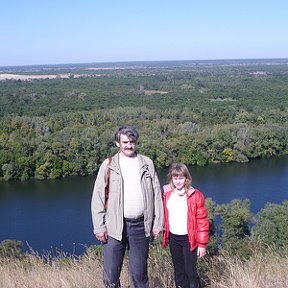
<point>55,215</point>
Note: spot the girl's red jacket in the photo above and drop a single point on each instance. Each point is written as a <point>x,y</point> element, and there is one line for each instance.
<point>198,225</point>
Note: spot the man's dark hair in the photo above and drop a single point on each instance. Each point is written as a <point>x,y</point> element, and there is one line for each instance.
<point>129,131</point>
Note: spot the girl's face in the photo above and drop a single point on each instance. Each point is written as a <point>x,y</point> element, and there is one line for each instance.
<point>178,182</point>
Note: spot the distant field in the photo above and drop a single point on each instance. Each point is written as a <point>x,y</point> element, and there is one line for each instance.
<point>31,76</point>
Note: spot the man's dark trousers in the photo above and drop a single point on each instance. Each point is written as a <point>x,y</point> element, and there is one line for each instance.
<point>133,238</point>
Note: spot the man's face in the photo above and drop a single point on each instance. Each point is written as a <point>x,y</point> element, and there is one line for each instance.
<point>127,146</point>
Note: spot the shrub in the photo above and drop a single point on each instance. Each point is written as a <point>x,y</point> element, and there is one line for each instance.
<point>11,249</point>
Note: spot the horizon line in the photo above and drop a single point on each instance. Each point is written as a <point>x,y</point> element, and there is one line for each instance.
<point>140,61</point>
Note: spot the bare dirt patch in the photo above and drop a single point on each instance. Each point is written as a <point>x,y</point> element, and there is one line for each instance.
<point>151,92</point>
<point>28,77</point>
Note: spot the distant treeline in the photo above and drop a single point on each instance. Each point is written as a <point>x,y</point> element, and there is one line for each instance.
<point>196,114</point>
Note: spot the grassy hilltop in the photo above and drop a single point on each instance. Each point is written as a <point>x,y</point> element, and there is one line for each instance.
<point>266,269</point>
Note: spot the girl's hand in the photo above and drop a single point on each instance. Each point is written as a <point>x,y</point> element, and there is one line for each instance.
<point>201,251</point>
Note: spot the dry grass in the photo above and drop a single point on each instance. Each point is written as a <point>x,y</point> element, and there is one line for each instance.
<point>64,271</point>
<point>266,269</point>
<point>36,272</point>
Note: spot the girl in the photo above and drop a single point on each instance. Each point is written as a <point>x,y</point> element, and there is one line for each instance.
<point>186,225</point>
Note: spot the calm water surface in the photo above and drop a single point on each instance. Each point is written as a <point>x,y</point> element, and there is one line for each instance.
<point>55,215</point>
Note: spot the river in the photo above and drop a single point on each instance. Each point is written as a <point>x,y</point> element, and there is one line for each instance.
<point>54,215</point>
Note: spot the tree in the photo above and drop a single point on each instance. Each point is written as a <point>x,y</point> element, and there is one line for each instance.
<point>271,225</point>
<point>235,217</point>
<point>212,247</point>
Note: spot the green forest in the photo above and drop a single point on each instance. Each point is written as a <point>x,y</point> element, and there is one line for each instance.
<point>196,112</point>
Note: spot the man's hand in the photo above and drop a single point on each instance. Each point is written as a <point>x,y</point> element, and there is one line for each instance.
<point>102,237</point>
<point>156,232</point>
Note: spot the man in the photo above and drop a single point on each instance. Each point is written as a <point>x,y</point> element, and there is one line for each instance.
<point>133,212</point>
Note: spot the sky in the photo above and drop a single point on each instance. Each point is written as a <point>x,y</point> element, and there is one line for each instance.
<point>36,32</point>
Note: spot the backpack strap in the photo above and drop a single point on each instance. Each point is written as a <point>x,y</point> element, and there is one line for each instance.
<point>108,183</point>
